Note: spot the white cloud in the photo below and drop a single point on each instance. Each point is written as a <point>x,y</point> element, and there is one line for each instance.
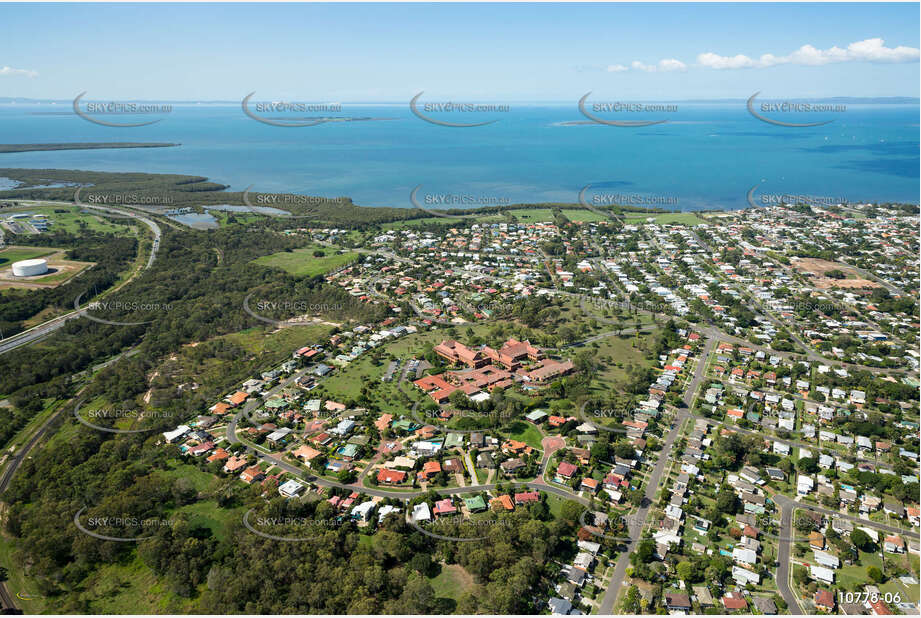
<point>663,66</point>
<point>12,71</point>
<point>874,50</point>
<point>869,50</point>
<point>715,61</point>
<point>670,64</point>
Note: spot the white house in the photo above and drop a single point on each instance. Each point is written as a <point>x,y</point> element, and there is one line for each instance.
<point>421,512</point>
<point>176,434</point>
<point>804,485</point>
<point>386,510</point>
<point>745,556</point>
<point>744,576</point>
<point>822,573</point>
<point>825,559</point>
<point>363,511</point>
<point>290,488</point>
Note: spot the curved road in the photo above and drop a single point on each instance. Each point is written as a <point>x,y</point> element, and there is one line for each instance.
<point>12,466</point>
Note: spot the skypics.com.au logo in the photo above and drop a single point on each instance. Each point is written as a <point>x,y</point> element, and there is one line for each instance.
<point>432,202</point>
<point>306,311</point>
<point>782,113</point>
<point>117,414</point>
<point>288,114</point>
<point>424,111</point>
<point>94,111</point>
<point>616,113</point>
<point>129,528</point>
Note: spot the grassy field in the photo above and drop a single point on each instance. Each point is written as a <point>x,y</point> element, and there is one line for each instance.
<point>524,215</point>
<point>524,431</point>
<point>123,588</point>
<point>555,504</point>
<point>242,218</point>
<point>15,254</point>
<point>852,577</point>
<point>452,582</point>
<point>255,341</point>
<point>347,383</point>
<point>201,480</point>
<point>73,219</point>
<point>577,215</point>
<point>680,218</point>
<point>206,513</point>
<point>130,588</point>
<point>23,434</point>
<point>580,216</point>
<point>399,225</point>
<point>623,351</point>
<point>302,263</point>
<point>18,585</point>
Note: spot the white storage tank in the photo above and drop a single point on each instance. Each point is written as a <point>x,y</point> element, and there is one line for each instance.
<point>30,268</point>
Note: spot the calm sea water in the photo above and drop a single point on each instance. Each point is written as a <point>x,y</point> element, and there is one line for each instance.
<point>706,156</point>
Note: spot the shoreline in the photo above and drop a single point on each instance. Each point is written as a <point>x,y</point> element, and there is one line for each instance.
<point>55,146</point>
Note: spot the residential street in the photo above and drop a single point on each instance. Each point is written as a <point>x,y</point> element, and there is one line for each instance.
<point>653,482</point>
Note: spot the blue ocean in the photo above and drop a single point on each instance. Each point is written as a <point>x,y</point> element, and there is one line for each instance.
<point>707,156</point>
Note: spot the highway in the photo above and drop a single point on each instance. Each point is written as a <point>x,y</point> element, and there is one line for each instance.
<point>13,466</point>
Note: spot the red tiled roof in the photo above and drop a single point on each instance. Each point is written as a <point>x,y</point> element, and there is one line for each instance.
<point>566,469</point>
<point>527,496</point>
<point>390,476</point>
<point>734,600</point>
<point>505,501</point>
<point>824,598</point>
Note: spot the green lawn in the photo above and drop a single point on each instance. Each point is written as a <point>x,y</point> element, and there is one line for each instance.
<point>17,583</point>
<point>242,218</point>
<point>74,220</point>
<point>15,254</point>
<point>555,504</point>
<point>452,582</point>
<point>525,215</point>
<point>398,225</point>
<point>896,587</point>
<point>280,342</point>
<point>201,480</point>
<point>685,218</point>
<point>302,263</point>
<point>524,431</point>
<point>131,588</point>
<point>854,576</point>
<point>206,513</point>
<point>580,216</point>
<point>622,350</point>
<point>121,588</point>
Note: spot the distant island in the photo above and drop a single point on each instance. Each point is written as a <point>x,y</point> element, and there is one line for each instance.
<point>81,146</point>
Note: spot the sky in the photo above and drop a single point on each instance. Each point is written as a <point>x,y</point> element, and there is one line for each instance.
<point>472,52</point>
